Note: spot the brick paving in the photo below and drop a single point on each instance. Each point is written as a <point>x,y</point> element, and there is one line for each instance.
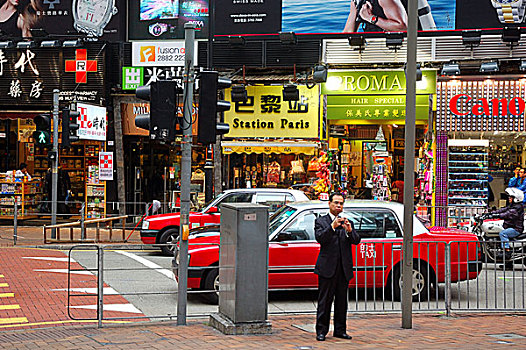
<point>33,290</point>
<point>369,332</point>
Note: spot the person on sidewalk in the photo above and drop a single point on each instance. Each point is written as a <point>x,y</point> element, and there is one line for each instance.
<point>334,267</point>
<point>513,216</point>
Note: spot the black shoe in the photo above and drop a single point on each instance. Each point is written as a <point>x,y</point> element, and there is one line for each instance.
<point>343,336</point>
<point>320,337</point>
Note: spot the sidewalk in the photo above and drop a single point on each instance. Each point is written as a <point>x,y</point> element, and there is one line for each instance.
<point>289,332</point>
<point>34,236</point>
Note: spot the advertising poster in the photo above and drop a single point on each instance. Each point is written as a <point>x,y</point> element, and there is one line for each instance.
<point>159,53</point>
<point>106,166</point>
<point>338,16</point>
<point>478,14</point>
<point>102,19</point>
<point>92,122</point>
<point>165,19</point>
<point>248,17</point>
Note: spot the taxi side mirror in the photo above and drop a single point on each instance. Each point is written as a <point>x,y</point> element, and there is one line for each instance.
<point>212,210</point>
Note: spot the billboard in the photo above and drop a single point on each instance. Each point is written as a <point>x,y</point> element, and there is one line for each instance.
<point>101,19</point>
<point>476,14</point>
<point>165,19</point>
<point>338,16</point>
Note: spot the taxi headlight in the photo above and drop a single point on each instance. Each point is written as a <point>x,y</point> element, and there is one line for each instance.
<point>145,224</point>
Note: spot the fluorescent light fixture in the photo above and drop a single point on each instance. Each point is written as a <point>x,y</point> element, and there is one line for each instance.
<point>489,67</point>
<point>50,43</point>
<point>450,69</point>
<point>72,43</point>
<point>511,35</point>
<point>357,42</point>
<point>26,44</point>
<point>291,93</point>
<point>522,65</point>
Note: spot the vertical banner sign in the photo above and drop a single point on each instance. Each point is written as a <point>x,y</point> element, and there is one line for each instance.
<point>106,166</point>
<point>92,122</point>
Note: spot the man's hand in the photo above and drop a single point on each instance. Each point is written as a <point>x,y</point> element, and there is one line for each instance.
<point>338,221</point>
<point>347,225</point>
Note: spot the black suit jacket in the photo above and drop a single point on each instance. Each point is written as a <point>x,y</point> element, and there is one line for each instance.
<point>330,242</point>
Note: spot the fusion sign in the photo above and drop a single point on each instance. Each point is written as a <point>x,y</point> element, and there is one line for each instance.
<point>159,53</point>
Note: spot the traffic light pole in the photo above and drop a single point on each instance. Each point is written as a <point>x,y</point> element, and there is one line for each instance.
<point>186,171</point>
<point>54,166</point>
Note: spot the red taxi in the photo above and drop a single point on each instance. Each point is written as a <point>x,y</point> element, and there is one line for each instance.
<point>164,228</point>
<point>293,250</point>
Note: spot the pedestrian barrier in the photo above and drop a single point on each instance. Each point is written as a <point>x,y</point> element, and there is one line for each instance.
<point>447,277</point>
<point>81,225</point>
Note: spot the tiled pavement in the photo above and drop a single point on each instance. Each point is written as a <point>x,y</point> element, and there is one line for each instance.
<point>33,291</point>
<point>369,332</point>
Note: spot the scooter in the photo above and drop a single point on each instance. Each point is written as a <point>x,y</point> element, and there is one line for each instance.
<point>487,229</point>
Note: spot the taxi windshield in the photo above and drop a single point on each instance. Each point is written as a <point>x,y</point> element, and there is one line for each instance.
<point>279,217</point>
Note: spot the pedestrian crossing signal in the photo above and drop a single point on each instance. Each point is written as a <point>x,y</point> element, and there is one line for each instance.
<point>42,134</point>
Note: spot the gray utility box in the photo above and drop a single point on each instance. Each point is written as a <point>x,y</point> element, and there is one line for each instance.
<point>243,262</point>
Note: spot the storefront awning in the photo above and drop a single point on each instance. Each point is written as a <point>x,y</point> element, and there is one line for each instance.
<point>269,147</point>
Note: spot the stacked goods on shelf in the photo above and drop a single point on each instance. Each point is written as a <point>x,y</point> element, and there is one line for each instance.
<point>323,184</point>
<point>28,195</point>
<point>467,180</point>
<point>95,193</point>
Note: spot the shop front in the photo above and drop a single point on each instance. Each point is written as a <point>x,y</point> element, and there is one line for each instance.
<point>481,138</point>
<point>27,81</point>
<point>271,141</point>
<point>365,111</point>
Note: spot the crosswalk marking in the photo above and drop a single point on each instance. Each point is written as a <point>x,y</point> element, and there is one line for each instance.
<point>111,307</point>
<point>4,285</point>
<point>82,272</point>
<point>47,258</point>
<point>13,320</point>
<point>10,307</point>
<point>7,295</point>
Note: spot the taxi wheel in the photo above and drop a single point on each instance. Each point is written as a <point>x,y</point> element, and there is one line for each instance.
<point>420,283</point>
<point>169,237</point>
<point>212,283</point>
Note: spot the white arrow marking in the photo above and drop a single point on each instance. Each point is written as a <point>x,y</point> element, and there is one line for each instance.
<point>149,264</point>
<point>107,290</point>
<point>66,271</point>
<point>111,307</point>
<point>48,258</point>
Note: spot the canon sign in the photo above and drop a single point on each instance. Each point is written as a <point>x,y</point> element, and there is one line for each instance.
<point>493,107</point>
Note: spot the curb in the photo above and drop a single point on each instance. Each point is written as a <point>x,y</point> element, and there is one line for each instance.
<point>69,246</point>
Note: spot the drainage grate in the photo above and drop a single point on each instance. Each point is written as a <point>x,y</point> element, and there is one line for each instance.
<point>45,334</point>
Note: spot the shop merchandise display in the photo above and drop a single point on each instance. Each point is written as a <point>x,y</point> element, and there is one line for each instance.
<point>28,195</point>
<point>95,193</point>
<point>424,184</point>
<point>323,183</point>
<point>381,183</point>
<point>273,171</point>
<point>468,179</point>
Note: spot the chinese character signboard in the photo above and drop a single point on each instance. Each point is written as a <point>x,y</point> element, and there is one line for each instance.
<point>92,122</point>
<point>265,114</point>
<point>30,76</point>
<point>106,166</point>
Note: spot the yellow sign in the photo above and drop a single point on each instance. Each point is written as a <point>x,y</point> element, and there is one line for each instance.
<point>268,148</point>
<point>265,114</point>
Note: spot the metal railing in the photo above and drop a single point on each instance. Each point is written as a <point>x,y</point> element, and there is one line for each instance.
<point>448,277</point>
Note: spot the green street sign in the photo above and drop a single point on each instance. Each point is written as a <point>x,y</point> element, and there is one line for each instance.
<point>132,77</point>
<point>375,82</point>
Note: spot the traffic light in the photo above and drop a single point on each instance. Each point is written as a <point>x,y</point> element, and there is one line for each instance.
<point>210,105</point>
<point>162,120</point>
<point>69,126</point>
<point>42,134</point>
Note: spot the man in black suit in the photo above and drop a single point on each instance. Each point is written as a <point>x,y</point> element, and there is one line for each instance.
<point>334,267</point>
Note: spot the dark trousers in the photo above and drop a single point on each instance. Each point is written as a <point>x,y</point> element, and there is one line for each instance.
<point>329,290</point>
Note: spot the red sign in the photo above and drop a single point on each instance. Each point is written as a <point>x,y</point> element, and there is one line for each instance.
<point>481,106</point>
<point>81,66</point>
